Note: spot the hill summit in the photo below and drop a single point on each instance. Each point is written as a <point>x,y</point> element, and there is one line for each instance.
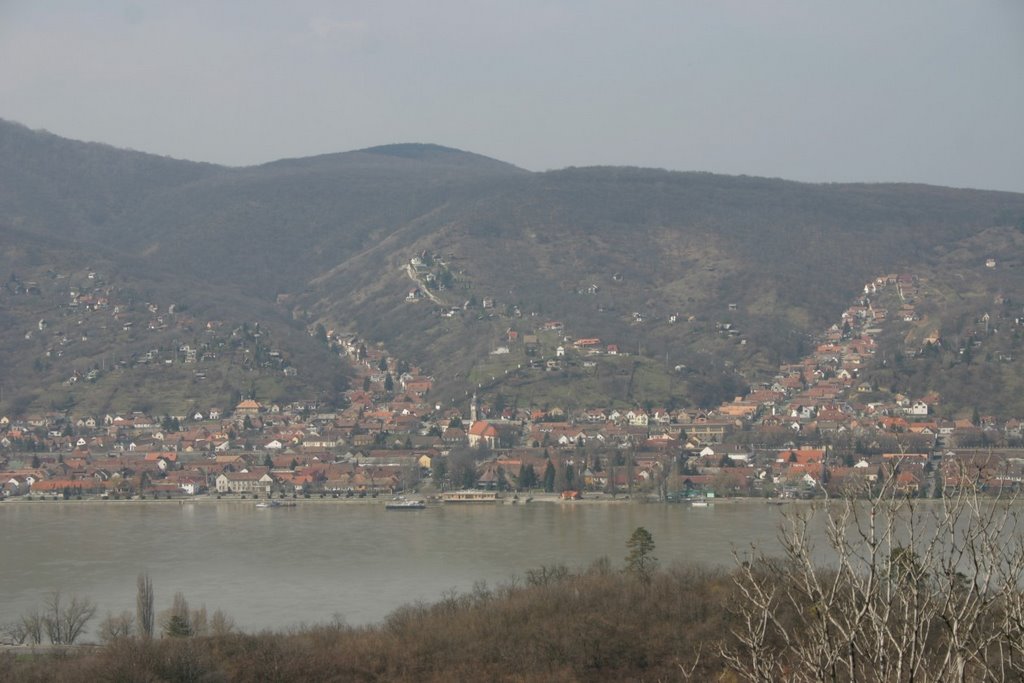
<point>450,259</point>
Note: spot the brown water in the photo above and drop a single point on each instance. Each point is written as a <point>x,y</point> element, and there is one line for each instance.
<point>284,567</point>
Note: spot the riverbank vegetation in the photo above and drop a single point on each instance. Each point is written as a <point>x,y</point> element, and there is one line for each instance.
<point>555,625</point>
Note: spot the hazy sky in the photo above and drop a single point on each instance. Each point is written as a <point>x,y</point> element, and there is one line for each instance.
<point>820,90</point>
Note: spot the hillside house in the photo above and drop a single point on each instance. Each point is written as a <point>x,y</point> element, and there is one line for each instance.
<point>248,407</point>
<point>638,418</point>
<point>917,409</point>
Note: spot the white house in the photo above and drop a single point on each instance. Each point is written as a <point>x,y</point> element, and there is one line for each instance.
<point>917,408</point>
<point>244,482</point>
<point>638,418</point>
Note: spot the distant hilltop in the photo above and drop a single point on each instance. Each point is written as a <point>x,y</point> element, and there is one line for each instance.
<point>704,284</point>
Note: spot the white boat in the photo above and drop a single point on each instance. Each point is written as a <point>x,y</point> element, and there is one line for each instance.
<point>470,496</point>
<point>274,504</point>
<point>405,505</point>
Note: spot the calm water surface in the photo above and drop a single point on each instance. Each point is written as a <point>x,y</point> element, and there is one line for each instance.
<point>308,564</point>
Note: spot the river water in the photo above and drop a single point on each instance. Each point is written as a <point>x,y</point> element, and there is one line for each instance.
<point>279,568</point>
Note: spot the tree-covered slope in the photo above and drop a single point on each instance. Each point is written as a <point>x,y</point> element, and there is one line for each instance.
<point>657,263</point>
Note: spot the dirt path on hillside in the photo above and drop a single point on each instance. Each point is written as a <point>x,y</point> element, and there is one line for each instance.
<point>423,287</point>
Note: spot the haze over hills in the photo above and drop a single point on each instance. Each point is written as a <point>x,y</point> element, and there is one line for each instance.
<point>651,261</point>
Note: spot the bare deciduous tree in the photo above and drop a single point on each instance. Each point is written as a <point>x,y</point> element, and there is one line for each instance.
<point>199,621</point>
<point>65,623</point>
<point>144,614</point>
<point>27,629</point>
<point>221,624</point>
<point>905,590</point>
<point>115,627</point>
<point>32,624</point>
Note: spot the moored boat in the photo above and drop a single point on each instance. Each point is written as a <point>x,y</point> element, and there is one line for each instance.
<point>405,505</point>
<point>470,496</point>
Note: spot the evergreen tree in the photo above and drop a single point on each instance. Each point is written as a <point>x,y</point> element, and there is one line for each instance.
<point>527,477</point>
<point>440,470</point>
<point>641,561</point>
<point>178,622</point>
<point>549,477</point>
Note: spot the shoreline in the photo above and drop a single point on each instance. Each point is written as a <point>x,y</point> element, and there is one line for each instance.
<point>524,500</point>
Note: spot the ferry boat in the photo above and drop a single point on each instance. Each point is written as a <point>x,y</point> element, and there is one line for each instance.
<point>470,496</point>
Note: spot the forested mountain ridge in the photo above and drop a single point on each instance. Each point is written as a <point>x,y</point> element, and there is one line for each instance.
<point>653,262</point>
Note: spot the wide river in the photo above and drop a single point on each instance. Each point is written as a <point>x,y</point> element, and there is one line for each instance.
<point>279,568</point>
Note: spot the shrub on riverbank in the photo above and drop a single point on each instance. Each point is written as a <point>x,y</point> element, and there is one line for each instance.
<point>562,626</point>
<point>685,623</point>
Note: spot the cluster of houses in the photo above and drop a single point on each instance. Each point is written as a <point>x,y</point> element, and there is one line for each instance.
<point>90,311</point>
<point>824,394</point>
<point>815,427</point>
<point>294,450</point>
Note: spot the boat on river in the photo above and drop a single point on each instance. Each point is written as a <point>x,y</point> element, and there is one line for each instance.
<point>274,504</point>
<point>470,496</point>
<point>405,505</point>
